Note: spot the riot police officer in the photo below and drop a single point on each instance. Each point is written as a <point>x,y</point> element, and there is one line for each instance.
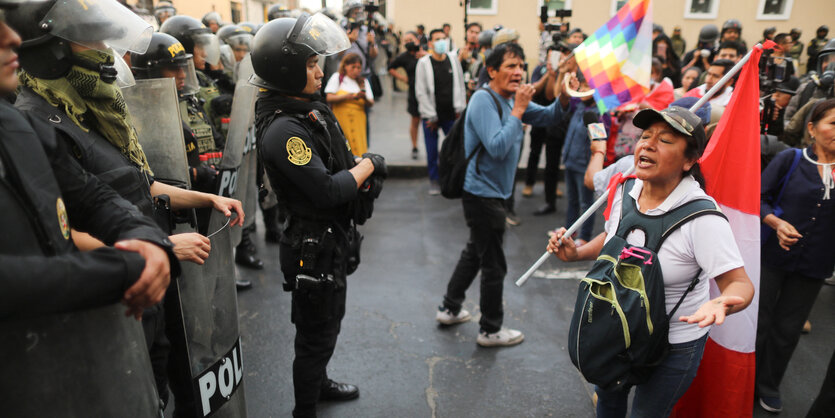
<point>163,10</point>
<point>69,80</point>
<point>277,11</point>
<point>320,186</point>
<point>65,300</point>
<point>203,45</point>
<point>819,86</point>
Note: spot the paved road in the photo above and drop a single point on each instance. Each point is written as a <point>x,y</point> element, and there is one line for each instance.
<point>408,366</point>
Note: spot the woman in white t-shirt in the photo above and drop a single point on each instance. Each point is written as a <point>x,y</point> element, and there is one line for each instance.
<point>668,176</point>
<point>349,94</point>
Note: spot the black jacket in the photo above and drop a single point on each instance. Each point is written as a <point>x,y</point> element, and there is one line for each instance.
<point>43,272</point>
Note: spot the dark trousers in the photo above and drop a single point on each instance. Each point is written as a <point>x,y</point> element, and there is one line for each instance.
<point>786,299</point>
<point>553,150</point>
<point>430,140</point>
<point>825,402</point>
<point>486,219</point>
<point>153,324</point>
<point>317,315</point>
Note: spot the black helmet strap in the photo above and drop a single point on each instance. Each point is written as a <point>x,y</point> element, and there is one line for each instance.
<point>107,72</point>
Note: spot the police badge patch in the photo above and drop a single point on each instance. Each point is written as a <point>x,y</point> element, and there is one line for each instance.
<point>63,220</point>
<point>297,151</point>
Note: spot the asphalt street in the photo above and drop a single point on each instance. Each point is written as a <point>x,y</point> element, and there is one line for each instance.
<point>405,364</point>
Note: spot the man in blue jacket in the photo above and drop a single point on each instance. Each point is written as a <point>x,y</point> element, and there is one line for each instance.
<point>498,134</point>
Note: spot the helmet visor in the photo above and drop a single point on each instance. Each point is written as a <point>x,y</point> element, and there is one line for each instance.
<point>321,35</point>
<point>183,73</point>
<point>124,76</point>
<point>209,44</point>
<point>93,22</point>
<point>826,62</point>
<point>240,40</point>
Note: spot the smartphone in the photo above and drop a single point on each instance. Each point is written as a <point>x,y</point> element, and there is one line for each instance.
<point>554,57</point>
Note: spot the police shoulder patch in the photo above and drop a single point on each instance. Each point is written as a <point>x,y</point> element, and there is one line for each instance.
<point>63,219</point>
<point>298,152</point>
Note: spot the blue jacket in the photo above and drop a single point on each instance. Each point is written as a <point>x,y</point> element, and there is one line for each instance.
<point>502,139</point>
<point>575,150</point>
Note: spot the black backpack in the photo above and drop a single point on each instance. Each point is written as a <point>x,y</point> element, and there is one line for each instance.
<point>452,162</point>
<point>618,332</point>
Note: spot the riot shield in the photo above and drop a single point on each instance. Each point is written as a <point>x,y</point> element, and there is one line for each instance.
<point>206,336</point>
<point>90,363</point>
<point>246,190</point>
<point>217,367</point>
<point>155,111</point>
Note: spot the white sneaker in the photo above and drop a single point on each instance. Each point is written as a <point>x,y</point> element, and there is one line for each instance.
<point>446,317</point>
<point>503,338</point>
<point>434,189</point>
<point>830,281</point>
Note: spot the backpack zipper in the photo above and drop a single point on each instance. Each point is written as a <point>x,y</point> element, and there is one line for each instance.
<point>579,326</point>
<point>643,293</point>
<point>626,337</point>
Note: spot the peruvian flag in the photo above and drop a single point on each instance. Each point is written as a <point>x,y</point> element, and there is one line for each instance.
<point>724,385</point>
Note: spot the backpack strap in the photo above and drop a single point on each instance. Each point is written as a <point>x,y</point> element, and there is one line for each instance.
<point>480,145</point>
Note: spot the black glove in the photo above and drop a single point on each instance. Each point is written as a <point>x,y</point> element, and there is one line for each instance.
<point>372,187</point>
<point>379,162</point>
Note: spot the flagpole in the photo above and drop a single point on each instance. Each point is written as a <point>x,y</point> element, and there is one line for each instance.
<point>604,197</point>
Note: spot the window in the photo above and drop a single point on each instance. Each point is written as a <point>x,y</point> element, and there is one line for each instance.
<point>774,9</point>
<point>701,9</point>
<point>482,7</point>
<point>236,11</point>
<point>553,5</point>
<point>616,5</point>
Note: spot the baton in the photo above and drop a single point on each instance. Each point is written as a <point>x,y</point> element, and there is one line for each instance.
<point>603,198</point>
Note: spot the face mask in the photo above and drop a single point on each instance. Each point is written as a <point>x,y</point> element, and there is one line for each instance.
<point>440,46</point>
<point>412,47</point>
<point>827,77</point>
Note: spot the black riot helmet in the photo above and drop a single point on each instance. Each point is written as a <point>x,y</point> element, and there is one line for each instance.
<point>824,29</point>
<point>708,34</point>
<point>281,48</point>
<point>164,10</point>
<point>48,28</point>
<point>732,24</point>
<point>166,53</point>
<point>826,64</point>
<point>226,31</point>
<point>277,11</point>
<point>249,27</point>
<point>190,32</point>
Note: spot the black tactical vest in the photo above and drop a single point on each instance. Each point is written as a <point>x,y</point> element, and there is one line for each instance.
<point>94,152</point>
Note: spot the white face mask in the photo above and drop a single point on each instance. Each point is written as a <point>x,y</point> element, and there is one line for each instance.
<point>440,46</point>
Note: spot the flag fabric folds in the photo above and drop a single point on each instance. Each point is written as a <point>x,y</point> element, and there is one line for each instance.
<point>617,58</point>
<point>724,385</point>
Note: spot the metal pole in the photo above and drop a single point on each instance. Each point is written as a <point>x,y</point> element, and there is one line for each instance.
<point>602,199</point>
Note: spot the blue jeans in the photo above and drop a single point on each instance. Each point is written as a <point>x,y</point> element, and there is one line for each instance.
<point>659,394</point>
<point>579,199</point>
<point>430,139</point>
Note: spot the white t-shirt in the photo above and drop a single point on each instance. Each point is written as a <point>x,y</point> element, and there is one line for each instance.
<point>705,242</point>
<point>348,84</point>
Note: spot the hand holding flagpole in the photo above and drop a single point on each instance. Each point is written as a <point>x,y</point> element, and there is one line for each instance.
<point>602,199</point>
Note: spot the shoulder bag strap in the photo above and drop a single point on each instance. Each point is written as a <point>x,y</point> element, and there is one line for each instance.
<point>785,179</point>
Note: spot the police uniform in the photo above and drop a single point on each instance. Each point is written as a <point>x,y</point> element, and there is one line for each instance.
<point>307,160</point>
<point>309,172</point>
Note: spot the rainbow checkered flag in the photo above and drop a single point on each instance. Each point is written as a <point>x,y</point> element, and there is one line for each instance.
<point>616,59</point>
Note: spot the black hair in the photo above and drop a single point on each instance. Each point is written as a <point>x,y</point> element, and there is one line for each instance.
<point>731,45</point>
<point>507,49</point>
<point>446,25</point>
<point>434,31</point>
<point>726,64</point>
<point>658,63</point>
<point>471,24</point>
<point>420,27</point>
<point>694,151</point>
<point>820,109</point>
<point>780,36</point>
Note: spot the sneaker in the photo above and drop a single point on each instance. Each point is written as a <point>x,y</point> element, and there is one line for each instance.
<point>830,281</point>
<point>771,404</point>
<point>527,191</point>
<point>434,188</point>
<point>512,219</point>
<point>414,153</point>
<point>503,338</point>
<point>446,317</point>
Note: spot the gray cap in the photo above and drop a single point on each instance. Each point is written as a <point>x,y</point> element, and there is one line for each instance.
<point>681,119</point>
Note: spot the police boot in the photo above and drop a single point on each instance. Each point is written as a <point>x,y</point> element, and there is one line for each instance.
<point>333,391</point>
<point>245,252</point>
<point>273,233</point>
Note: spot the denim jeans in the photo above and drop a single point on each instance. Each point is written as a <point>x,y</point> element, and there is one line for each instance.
<point>579,199</point>
<point>430,139</point>
<point>659,394</point>
<point>486,219</point>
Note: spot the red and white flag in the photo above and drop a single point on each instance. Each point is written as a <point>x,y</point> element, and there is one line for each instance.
<point>724,385</point>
